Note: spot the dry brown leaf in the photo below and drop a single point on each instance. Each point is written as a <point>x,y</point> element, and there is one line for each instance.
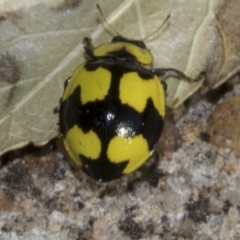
<point>224,125</point>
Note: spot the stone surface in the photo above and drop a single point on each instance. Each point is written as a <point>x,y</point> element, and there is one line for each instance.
<point>197,196</point>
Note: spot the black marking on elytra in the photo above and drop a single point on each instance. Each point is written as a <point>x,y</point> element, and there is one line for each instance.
<point>152,124</point>
<point>107,117</point>
<point>69,111</point>
<point>117,73</point>
<point>103,170</point>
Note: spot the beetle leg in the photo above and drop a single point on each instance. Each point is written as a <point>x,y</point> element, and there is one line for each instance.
<point>88,47</point>
<point>151,174</point>
<point>160,72</point>
<point>164,85</point>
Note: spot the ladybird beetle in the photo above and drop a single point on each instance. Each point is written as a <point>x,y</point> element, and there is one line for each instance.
<point>112,109</point>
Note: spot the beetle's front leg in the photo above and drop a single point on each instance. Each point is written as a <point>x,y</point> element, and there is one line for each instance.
<point>88,47</point>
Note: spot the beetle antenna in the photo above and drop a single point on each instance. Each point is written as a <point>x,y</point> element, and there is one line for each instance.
<point>105,20</point>
<point>168,16</point>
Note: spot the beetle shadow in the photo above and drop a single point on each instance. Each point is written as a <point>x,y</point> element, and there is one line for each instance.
<point>148,175</point>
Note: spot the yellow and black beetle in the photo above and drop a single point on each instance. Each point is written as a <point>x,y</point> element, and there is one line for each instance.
<point>112,109</point>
